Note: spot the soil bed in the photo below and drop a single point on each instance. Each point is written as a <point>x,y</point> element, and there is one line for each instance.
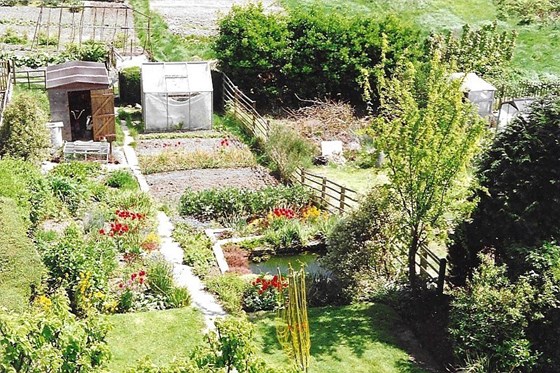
<point>168,187</point>
<point>154,147</point>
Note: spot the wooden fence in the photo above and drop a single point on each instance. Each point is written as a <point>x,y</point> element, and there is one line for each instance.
<point>335,197</point>
<point>526,89</point>
<point>5,86</point>
<point>33,79</point>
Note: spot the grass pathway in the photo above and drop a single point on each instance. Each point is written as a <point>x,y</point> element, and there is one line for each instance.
<point>171,250</point>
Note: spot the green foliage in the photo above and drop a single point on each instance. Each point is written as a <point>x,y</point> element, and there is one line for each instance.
<point>519,189</point>
<point>160,276</point>
<point>287,151</point>
<point>226,204</point>
<point>77,171</point>
<point>71,193</point>
<point>21,268</point>
<point>77,265</point>
<point>230,289</point>
<point>90,50</point>
<point>23,182</point>
<point>129,85</point>
<point>197,249</point>
<point>308,53</point>
<point>24,134</point>
<point>528,11</point>
<point>121,179</point>
<point>10,36</point>
<point>485,50</point>
<point>359,250</point>
<point>430,137</point>
<point>49,338</point>
<point>489,318</point>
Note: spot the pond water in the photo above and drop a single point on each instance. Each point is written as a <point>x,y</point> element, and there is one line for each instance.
<point>282,262</point>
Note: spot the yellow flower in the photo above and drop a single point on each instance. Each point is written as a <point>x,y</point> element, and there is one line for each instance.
<point>44,302</point>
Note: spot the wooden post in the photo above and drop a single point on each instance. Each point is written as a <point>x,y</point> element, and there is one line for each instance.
<point>302,171</point>
<point>324,189</point>
<point>342,197</point>
<point>59,30</point>
<point>441,275</point>
<point>423,260</point>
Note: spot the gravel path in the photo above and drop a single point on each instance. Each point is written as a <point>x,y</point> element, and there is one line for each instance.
<point>199,17</point>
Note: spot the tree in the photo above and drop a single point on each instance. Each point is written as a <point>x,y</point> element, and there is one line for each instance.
<point>519,199</point>
<point>24,134</point>
<point>430,137</point>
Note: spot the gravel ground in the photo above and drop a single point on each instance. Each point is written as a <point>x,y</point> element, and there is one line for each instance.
<point>199,17</point>
<point>154,147</point>
<point>169,186</point>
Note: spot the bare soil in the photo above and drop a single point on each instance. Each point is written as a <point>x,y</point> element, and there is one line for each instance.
<point>169,186</point>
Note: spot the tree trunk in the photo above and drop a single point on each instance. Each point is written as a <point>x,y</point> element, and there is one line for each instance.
<point>412,251</point>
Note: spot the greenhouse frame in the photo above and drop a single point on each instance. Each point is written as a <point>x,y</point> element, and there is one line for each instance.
<point>176,96</point>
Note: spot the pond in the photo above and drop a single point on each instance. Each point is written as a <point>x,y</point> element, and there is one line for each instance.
<point>271,265</point>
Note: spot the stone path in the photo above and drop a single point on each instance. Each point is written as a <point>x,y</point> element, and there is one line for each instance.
<point>172,252</point>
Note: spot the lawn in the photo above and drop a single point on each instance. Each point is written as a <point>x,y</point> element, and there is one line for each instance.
<point>537,45</point>
<point>357,338</point>
<point>358,179</point>
<point>160,335</point>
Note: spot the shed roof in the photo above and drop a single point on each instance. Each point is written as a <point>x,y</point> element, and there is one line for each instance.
<point>176,77</point>
<point>77,72</point>
<point>473,82</point>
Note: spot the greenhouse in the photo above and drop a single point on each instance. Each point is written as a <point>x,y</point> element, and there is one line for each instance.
<point>478,91</point>
<point>176,96</point>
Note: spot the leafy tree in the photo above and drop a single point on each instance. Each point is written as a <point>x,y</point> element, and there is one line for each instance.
<point>24,133</point>
<point>519,199</point>
<point>430,137</point>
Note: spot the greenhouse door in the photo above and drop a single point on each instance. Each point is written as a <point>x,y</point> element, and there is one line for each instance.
<point>103,114</point>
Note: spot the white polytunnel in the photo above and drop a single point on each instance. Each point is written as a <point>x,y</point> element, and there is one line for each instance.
<point>176,96</point>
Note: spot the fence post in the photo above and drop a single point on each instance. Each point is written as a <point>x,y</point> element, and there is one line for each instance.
<point>302,173</point>
<point>342,197</point>
<point>253,117</point>
<point>235,99</point>
<point>423,259</point>
<point>324,189</point>
<point>441,275</point>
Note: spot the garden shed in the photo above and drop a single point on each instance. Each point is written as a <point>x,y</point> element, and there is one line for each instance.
<point>176,96</point>
<point>478,91</point>
<point>81,98</point>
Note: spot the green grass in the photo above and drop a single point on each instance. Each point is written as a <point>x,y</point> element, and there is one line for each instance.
<point>160,335</point>
<point>166,46</point>
<point>20,264</point>
<point>357,338</point>
<point>538,46</point>
<point>357,179</point>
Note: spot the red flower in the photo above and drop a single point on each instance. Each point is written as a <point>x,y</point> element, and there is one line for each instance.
<point>133,276</point>
<point>121,285</point>
<point>142,273</point>
<point>102,231</point>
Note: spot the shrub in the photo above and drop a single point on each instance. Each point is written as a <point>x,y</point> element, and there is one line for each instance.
<point>228,203</point>
<point>489,318</point>
<point>263,294</point>
<point>237,259</point>
<point>519,199</point>
<point>358,249</point>
<point>51,339</point>
<point>121,179</point>
<point>21,268</point>
<point>129,85</point>
<point>70,193</point>
<point>324,290</point>
<point>197,250</point>
<point>230,289</point>
<point>24,133</point>
<point>287,151</point>
<point>90,50</point>
<point>160,276</point>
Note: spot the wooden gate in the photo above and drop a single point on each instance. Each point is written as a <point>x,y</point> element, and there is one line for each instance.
<point>103,114</point>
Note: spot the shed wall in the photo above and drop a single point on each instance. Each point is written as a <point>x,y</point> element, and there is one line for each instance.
<point>58,101</point>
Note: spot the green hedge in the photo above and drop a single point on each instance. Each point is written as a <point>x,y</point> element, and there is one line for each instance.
<point>129,86</point>
<point>20,264</point>
<point>279,58</point>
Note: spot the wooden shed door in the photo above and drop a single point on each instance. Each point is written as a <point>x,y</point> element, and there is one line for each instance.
<point>103,114</point>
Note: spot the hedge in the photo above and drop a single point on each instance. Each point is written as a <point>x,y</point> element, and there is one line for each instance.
<point>129,86</point>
